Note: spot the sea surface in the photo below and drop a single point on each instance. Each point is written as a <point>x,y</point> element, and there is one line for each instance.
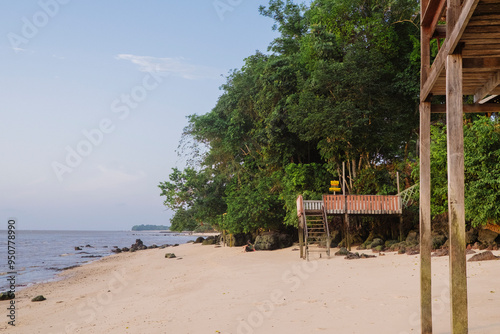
<point>41,255</point>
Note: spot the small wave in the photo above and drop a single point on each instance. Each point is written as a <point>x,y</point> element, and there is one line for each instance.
<point>67,254</point>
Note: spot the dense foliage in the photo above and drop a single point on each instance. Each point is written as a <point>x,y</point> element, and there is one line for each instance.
<point>482,175</point>
<point>339,85</point>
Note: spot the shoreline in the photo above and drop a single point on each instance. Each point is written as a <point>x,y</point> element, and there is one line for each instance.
<point>47,264</point>
<point>208,289</point>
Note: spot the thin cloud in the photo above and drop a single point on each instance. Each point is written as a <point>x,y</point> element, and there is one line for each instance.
<point>174,66</point>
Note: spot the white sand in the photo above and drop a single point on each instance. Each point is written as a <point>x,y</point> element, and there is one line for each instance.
<point>223,290</point>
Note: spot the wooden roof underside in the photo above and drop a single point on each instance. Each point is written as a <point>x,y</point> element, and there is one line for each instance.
<point>477,33</point>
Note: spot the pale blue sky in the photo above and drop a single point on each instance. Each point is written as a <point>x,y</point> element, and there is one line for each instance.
<point>70,67</point>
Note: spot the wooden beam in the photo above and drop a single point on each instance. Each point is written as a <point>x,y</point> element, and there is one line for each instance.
<point>487,98</point>
<point>470,108</point>
<point>474,63</point>
<point>456,208</point>
<point>488,87</point>
<point>440,31</point>
<point>448,48</point>
<point>432,15</point>
<point>425,219</point>
<point>433,10</point>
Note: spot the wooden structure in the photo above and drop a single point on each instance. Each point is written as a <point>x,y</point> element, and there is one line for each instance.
<point>313,215</point>
<point>468,63</point>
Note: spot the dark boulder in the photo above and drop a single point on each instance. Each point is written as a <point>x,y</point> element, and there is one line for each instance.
<point>273,240</point>
<point>139,245</point>
<point>238,239</point>
<point>485,256</point>
<point>199,240</point>
<point>441,252</point>
<point>471,236</point>
<point>286,240</point>
<point>170,256</point>
<point>412,238</point>
<point>366,256</point>
<point>7,295</point>
<point>78,248</point>
<point>209,241</point>
<point>438,241</point>
<point>116,250</point>
<point>342,252</point>
<point>487,237</point>
<point>125,249</point>
<point>39,299</point>
<point>376,243</point>
<point>389,243</point>
<point>352,256</point>
<point>268,241</point>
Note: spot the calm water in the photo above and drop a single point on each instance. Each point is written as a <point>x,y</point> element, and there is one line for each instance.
<point>40,255</point>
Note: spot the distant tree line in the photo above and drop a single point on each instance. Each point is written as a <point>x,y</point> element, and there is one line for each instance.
<point>143,227</point>
<point>340,84</point>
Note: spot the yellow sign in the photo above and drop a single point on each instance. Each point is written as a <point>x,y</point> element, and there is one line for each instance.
<point>335,189</point>
<point>334,183</point>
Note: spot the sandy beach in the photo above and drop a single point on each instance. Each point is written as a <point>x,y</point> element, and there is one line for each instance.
<point>209,289</point>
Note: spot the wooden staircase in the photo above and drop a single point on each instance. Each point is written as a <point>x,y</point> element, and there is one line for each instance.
<point>316,230</point>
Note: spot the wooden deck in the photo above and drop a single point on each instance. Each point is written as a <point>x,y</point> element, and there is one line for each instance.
<point>476,34</point>
<point>353,205</point>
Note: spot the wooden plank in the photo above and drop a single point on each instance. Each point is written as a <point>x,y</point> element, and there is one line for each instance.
<point>486,89</point>
<point>491,8</point>
<point>425,219</point>
<point>300,206</point>
<point>478,63</point>
<point>448,48</point>
<point>470,108</point>
<point>492,28</point>
<point>432,12</point>
<point>458,265</point>
<point>487,98</point>
<point>301,237</point>
<point>439,31</point>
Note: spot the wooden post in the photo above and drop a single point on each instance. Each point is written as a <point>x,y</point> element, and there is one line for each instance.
<point>425,219</point>
<point>425,182</point>
<point>456,207</point>
<point>301,236</point>
<point>347,235</point>
<point>401,215</point>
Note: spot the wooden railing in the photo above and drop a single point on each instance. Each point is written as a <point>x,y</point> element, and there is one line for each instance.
<point>362,204</point>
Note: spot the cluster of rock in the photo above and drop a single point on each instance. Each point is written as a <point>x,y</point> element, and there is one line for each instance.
<point>352,256</point>
<point>210,240</point>
<point>409,246</point>
<point>79,248</point>
<point>476,238</point>
<point>263,241</point>
<point>139,245</point>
